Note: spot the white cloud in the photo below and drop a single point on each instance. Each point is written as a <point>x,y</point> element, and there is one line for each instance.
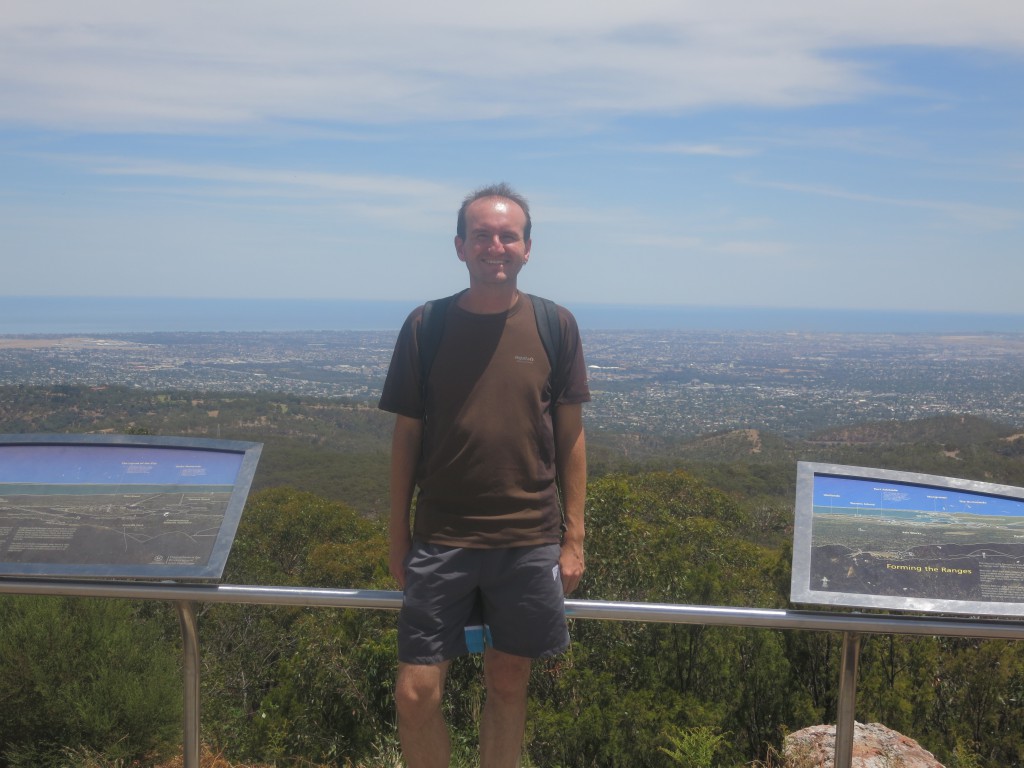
<point>979,216</point>
<point>753,248</point>
<point>121,65</point>
<point>411,204</point>
<point>667,242</point>
<point>706,245</point>
<point>334,183</point>
<point>708,150</point>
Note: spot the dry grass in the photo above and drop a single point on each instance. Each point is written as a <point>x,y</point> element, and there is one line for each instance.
<point>207,759</point>
<point>83,757</point>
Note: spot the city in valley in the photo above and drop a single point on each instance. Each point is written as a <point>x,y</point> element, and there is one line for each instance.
<point>682,383</point>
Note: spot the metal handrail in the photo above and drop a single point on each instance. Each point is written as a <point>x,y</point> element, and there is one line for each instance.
<point>768,618</point>
<point>851,624</point>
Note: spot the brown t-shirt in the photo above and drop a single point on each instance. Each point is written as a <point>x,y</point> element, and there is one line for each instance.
<point>486,475</point>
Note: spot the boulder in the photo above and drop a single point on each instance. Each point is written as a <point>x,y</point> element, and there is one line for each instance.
<point>874,746</point>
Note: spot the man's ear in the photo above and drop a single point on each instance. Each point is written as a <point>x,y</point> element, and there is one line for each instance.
<point>459,244</point>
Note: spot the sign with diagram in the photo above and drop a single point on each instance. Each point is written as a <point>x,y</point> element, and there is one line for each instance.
<point>875,538</point>
<point>120,506</point>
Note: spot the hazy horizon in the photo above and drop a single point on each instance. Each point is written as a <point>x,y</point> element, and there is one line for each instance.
<point>122,315</point>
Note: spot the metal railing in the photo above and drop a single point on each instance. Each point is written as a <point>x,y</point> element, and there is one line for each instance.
<point>852,625</point>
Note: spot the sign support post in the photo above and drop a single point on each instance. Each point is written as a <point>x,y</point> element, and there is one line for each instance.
<point>190,647</point>
<point>845,709</point>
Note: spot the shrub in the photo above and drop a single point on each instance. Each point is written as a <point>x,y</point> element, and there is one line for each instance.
<point>84,672</point>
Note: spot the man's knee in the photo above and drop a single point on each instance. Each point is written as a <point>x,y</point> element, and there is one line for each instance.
<point>418,690</point>
<point>506,675</point>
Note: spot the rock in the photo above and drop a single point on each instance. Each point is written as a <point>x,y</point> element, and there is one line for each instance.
<point>874,746</point>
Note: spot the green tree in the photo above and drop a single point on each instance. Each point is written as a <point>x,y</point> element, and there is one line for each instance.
<point>895,681</point>
<point>661,537</point>
<point>90,673</point>
<point>977,699</point>
<point>284,682</point>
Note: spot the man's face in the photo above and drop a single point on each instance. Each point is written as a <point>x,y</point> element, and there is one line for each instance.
<point>494,249</point>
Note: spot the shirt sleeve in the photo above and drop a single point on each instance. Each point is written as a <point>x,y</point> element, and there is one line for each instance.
<point>573,368</point>
<point>402,393</point>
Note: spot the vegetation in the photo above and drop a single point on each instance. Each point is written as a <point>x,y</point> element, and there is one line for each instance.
<point>84,672</point>
<point>96,684</point>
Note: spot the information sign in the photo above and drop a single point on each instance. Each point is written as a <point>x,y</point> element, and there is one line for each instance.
<point>120,506</point>
<point>875,538</point>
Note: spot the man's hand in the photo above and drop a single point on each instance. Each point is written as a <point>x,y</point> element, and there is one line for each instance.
<point>571,564</point>
<point>571,462</point>
<point>398,549</point>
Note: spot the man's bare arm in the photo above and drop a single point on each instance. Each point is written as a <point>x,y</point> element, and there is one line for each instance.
<point>571,464</point>
<point>406,443</point>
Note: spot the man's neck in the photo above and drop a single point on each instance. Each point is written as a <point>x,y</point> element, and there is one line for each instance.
<point>487,300</point>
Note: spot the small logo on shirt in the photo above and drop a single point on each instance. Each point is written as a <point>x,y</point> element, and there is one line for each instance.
<point>524,359</point>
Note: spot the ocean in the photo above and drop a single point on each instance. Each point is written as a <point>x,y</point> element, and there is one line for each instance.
<point>20,315</point>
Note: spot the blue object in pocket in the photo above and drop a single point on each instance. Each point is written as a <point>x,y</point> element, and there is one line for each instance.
<point>478,633</point>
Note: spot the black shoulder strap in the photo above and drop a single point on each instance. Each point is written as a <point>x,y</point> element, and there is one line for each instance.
<point>432,329</point>
<point>428,337</point>
<point>548,327</point>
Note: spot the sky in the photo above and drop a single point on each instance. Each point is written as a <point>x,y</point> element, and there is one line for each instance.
<point>741,153</point>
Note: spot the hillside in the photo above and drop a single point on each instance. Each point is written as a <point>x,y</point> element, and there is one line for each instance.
<point>339,448</point>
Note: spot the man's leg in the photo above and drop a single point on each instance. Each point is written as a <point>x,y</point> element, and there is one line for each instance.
<point>503,722</point>
<point>421,727</point>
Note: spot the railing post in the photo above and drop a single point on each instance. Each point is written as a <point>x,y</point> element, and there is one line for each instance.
<point>190,647</point>
<point>846,708</point>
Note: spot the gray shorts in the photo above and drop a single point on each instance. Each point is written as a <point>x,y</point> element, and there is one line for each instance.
<point>514,597</point>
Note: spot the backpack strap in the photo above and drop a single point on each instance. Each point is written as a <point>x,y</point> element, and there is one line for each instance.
<point>428,337</point>
<point>550,331</point>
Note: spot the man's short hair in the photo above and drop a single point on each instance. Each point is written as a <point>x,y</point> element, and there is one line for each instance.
<point>493,190</point>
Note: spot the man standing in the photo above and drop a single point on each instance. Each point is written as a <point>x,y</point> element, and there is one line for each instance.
<point>487,433</point>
